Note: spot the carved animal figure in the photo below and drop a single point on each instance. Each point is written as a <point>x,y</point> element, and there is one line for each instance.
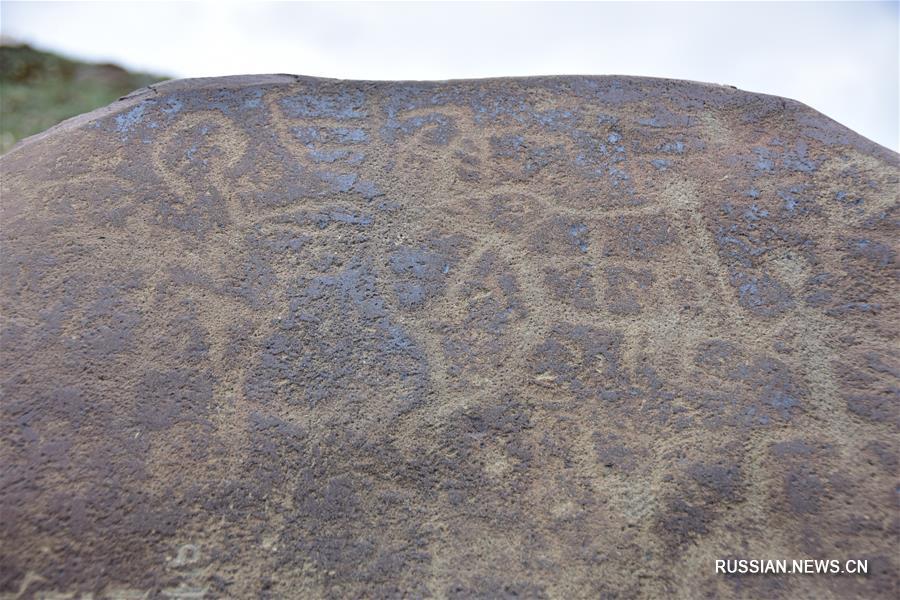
<point>568,337</point>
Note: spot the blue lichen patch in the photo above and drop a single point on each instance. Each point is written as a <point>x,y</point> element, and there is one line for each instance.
<point>561,235</point>
<point>422,273</point>
<point>334,104</point>
<point>762,295</point>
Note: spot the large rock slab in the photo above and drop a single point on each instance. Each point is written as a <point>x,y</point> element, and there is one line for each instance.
<point>570,337</point>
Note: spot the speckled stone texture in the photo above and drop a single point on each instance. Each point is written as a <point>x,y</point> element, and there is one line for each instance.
<point>571,337</point>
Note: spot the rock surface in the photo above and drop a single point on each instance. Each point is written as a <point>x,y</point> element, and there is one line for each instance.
<point>574,337</point>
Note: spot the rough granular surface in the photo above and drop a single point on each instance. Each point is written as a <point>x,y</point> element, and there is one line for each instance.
<point>571,337</point>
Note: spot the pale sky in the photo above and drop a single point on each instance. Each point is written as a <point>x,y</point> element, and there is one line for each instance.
<point>841,58</point>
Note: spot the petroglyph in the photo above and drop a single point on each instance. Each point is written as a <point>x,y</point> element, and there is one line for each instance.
<point>564,337</point>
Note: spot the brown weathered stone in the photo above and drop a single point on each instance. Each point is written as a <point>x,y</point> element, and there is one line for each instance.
<point>571,337</point>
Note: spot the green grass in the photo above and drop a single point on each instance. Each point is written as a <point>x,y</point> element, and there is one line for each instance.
<point>40,89</point>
